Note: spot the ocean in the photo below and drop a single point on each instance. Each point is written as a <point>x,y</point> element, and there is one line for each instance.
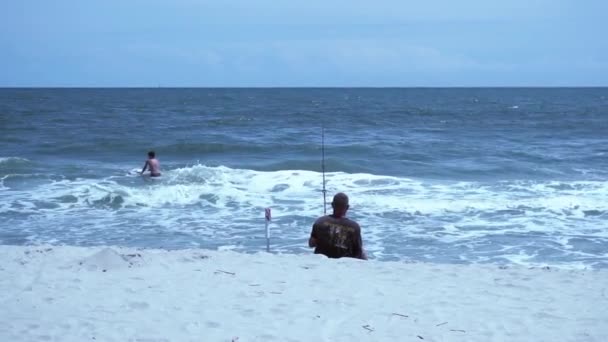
<point>448,175</point>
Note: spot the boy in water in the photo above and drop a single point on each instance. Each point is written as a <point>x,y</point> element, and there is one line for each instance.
<point>152,164</point>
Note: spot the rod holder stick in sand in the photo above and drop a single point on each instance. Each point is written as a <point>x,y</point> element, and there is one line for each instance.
<point>268,217</point>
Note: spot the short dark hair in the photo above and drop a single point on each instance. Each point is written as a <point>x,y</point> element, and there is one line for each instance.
<point>151,154</point>
<point>340,201</point>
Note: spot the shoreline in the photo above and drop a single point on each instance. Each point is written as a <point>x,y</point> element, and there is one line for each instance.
<point>116,294</point>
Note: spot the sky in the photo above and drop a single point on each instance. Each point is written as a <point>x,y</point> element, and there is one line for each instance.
<point>312,43</point>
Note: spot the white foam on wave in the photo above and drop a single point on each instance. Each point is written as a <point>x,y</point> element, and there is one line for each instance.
<point>12,159</point>
<point>223,187</point>
<point>224,204</point>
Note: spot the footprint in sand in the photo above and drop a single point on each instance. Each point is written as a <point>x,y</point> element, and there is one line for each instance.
<point>248,313</point>
<point>139,305</point>
<point>277,311</point>
<point>193,328</point>
<point>268,337</point>
<point>212,324</point>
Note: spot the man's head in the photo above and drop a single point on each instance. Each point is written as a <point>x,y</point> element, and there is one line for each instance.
<point>151,154</point>
<point>340,204</point>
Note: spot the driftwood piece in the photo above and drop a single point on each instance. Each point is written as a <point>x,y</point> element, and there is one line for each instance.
<point>401,315</point>
<point>226,272</point>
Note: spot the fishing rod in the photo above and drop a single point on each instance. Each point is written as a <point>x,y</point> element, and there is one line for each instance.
<point>323,169</point>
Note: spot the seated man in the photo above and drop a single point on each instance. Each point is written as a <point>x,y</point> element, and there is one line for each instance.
<point>335,235</point>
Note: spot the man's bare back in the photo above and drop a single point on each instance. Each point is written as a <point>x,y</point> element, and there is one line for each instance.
<point>152,164</point>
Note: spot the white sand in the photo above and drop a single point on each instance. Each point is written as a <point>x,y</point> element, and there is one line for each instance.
<point>112,294</point>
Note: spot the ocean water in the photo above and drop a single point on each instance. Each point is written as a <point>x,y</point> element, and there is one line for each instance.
<point>505,176</point>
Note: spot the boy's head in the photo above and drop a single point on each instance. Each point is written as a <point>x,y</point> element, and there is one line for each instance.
<point>151,154</point>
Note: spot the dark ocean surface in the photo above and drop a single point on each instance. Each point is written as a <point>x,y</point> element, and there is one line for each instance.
<point>459,175</point>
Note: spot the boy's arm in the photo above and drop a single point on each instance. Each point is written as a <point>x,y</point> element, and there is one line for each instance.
<point>145,166</point>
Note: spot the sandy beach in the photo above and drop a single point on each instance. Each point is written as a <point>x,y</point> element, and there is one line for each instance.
<point>114,294</point>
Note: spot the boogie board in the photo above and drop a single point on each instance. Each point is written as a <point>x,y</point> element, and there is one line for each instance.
<point>136,172</point>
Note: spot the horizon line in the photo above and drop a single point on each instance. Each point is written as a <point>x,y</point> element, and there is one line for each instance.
<point>304,87</point>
